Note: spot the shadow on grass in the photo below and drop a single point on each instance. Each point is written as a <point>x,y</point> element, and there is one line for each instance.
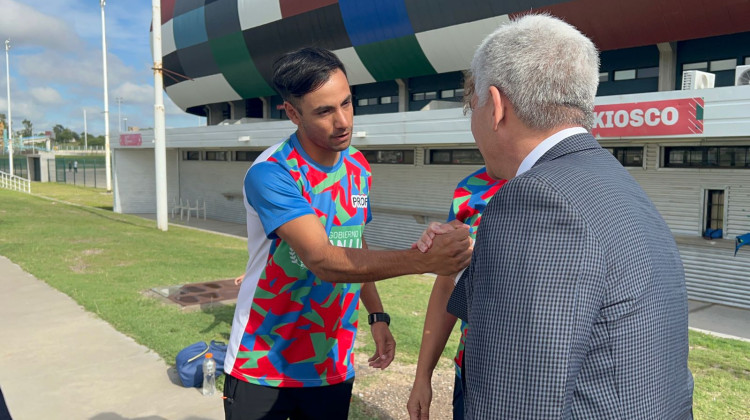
<point>361,410</point>
<point>223,314</point>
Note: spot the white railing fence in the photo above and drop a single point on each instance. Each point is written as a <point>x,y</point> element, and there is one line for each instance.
<point>15,183</point>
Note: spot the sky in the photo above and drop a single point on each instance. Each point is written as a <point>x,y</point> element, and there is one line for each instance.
<point>56,65</point>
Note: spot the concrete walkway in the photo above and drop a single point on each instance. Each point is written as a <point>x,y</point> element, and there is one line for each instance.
<point>58,361</point>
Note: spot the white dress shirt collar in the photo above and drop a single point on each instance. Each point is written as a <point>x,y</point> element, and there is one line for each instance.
<point>544,146</point>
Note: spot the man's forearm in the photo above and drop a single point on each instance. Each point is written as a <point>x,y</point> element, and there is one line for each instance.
<point>438,325</point>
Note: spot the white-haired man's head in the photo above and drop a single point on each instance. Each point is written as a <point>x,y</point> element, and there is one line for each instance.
<point>546,68</point>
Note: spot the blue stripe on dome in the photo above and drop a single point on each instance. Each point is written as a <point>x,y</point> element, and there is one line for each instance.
<point>370,21</point>
<point>190,28</point>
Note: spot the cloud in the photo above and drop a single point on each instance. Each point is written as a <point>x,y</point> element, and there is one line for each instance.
<point>26,26</point>
<point>133,93</point>
<point>46,95</point>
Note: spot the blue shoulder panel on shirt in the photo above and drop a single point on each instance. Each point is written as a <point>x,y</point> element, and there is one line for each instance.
<point>274,195</point>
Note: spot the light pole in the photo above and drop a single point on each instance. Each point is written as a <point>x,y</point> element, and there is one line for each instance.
<point>125,120</point>
<point>10,115</point>
<point>85,132</point>
<point>119,115</point>
<point>107,161</point>
<point>160,144</point>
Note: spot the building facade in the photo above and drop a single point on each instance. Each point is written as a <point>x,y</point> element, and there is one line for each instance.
<point>688,146</point>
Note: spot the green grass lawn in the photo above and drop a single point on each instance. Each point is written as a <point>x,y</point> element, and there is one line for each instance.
<point>105,261</point>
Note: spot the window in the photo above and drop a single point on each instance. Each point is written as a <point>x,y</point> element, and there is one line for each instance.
<point>418,96</point>
<point>721,65</point>
<point>362,102</point>
<point>625,74</point>
<point>714,214</point>
<point>191,155</point>
<point>459,92</point>
<point>455,157</point>
<point>647,72</point>
<point>747,60</point>
<point>214,155</point>
<point>732,157</point>
<point>385,100</point>
<point>430,95</point>
<point>628,156</point>
<point>389,156</point>
<point>603,77</point>
<point>695,66</point>
<point>245,156</point>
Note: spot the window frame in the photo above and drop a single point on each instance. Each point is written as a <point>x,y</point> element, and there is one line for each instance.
<point>430,156</point>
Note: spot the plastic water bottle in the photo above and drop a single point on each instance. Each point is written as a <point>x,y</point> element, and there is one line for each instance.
<point>209,375</point>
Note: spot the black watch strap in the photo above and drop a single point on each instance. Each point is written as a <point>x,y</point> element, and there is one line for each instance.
<point>379,317</point>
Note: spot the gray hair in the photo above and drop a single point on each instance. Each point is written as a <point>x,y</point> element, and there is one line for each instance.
<point>546,68</point>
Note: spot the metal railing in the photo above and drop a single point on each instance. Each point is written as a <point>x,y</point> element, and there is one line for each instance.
<point>15,183</point>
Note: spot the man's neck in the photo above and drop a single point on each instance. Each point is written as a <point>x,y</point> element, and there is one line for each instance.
<point>320,156</point>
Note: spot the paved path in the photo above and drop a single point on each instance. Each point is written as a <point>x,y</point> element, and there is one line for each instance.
<point>58,361</point>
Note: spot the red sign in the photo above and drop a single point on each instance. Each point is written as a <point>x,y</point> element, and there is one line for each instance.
<point>133,139</point>
<point>657,118</point>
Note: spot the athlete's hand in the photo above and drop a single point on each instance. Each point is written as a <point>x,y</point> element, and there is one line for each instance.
<point>385,346</point>
<point>425,241</point>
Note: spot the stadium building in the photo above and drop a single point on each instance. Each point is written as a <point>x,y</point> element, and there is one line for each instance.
<point>673,106</point>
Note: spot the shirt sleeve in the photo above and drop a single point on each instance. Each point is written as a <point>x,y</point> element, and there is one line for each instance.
<point>274,195</point>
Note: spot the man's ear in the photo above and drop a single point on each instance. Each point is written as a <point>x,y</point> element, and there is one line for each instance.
<point>291,112</point>
<point>498,107</point>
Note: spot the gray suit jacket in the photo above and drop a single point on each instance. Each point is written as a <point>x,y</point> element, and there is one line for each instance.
<point>576,297</point>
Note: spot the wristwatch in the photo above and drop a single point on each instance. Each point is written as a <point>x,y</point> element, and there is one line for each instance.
<point>379,317</point>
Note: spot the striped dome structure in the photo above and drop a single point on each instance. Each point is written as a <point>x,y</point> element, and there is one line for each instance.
<point>218,51</point>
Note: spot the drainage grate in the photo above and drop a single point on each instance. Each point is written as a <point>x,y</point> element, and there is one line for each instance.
<point>203,293</point>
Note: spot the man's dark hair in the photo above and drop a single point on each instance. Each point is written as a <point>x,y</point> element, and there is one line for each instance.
<point>300,72</point>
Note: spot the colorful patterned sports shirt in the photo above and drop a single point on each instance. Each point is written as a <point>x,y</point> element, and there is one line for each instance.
<point>290,328</point>
<point>469,201</point>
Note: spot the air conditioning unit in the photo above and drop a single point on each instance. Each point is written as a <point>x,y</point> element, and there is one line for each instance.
<point>694,79</point>
<point>742,76</point>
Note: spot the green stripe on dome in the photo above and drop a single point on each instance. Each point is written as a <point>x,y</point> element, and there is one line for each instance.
<point>235,63</point>
<point>395,58</point>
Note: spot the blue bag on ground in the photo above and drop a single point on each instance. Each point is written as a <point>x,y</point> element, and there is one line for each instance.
<point>189,361</point>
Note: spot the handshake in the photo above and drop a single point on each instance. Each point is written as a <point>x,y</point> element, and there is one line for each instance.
<point>449,244</point>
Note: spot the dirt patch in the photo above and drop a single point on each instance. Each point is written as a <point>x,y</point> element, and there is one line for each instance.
<point>385,393</point>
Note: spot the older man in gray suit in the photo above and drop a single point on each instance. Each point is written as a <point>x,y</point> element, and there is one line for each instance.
<point>576,292</point>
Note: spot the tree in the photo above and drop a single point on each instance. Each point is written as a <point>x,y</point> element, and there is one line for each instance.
<point>65,135</point>
<point>27,128</point>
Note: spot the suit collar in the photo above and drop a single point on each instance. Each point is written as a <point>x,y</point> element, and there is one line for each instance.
<point>545,145</point>
<point>572,144</point>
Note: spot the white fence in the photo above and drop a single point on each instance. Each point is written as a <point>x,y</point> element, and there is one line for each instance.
<point>15,183</point>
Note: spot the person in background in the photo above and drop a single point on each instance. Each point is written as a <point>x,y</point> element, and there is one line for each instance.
<point>469,200</point>
<point>290,352</point>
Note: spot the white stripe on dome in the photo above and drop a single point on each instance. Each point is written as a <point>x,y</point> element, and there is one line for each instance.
<point>356,72</point>
<point>202,90</point>
<point>254,13</point>
<point>167,38</point>
<point>452,48</point>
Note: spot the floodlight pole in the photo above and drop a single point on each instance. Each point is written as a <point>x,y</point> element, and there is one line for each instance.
<point>119,115</point>
<point>10,115</point>
<point>108,159</point>
<point>160,149</point>
<point>85,132</point>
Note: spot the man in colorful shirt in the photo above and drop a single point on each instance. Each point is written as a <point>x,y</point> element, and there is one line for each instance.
<point>290,352</point>
<point>469,200</point>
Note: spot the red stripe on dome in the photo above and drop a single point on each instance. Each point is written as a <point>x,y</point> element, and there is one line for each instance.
<point>297,7</point>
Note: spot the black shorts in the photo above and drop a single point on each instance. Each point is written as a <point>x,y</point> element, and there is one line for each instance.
<point>246,401</point>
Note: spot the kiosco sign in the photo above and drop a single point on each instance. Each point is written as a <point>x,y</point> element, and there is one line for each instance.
<point>658,118</point>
